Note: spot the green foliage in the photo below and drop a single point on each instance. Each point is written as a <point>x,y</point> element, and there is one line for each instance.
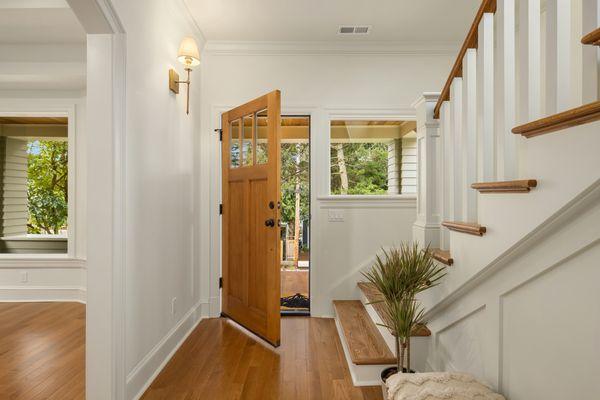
<point>366,168</point>
<point>295,168</point>
<point>400,275</point>
<point>47,186</point>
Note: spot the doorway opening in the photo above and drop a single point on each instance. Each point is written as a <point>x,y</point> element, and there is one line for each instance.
<point>295,215</point>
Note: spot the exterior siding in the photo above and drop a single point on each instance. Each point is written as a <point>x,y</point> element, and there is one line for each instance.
<point>13,155</point>
<point>408,166</point>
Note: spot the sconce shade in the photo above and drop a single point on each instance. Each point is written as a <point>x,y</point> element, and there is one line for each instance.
<point>188,53</point>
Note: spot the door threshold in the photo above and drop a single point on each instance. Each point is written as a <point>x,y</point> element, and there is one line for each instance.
<point>295,313</point>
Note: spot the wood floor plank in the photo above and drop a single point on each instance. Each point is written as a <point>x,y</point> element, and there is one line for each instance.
<point>42,351</point>
<point>220,362</point>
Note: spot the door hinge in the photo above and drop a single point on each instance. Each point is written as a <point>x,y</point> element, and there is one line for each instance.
<point>220,209</point>
<point>220,282</point>
<point>220,132</point>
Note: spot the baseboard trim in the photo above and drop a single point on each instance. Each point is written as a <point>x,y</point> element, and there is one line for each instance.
<point>144,373</point>
<point>18,294</point>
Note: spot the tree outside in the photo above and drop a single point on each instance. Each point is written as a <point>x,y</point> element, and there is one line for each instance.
<point>295,189</point>
<point>47,186</point>
<point>359,168</point>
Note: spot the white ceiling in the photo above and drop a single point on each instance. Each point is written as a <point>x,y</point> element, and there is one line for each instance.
<point>42,46</point>
<point>40,25</point>
<point>400,21</point>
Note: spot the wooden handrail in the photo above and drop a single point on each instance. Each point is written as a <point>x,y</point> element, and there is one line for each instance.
<point>566,119</point>
<point>519,186</point>
<point>465,227</point>
<point>592,38</point>
<point>442,256</point>
<point>487,6</point>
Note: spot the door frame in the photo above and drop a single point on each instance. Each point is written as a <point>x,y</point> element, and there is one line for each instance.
<point>310,203</point>
<point>106,135</point>
<point>213,153</point>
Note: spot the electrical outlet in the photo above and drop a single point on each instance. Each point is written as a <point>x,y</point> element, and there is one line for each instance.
<point>336,215</point>
<point>173,305</point>
<point>24,277</point>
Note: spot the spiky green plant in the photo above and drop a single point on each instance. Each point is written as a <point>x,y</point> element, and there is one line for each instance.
<point>400,275</point>
<point>386,274</point>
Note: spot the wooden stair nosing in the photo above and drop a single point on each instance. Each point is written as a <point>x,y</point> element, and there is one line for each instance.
<point>365,344</point>
<point>592,38</point>
<point>517,186</point>
<point>374,297</point>
<point>442,256</point>
<point>566,119</point>
<point>465,227</point>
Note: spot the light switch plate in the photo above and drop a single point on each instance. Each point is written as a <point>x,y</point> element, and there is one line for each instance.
<point>336,215</point>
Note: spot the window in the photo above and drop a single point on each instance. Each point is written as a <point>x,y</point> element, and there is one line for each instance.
<point>34,188</point>
<point>372,157</point>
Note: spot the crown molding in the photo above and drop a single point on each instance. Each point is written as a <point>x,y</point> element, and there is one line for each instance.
<point>217,47</point>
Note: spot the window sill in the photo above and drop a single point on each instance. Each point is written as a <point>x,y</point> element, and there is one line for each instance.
<point>368,201</point>
<point>28,237</point>
<point>14,261</point>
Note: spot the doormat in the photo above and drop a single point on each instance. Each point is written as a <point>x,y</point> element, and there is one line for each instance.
<point>297,301</point>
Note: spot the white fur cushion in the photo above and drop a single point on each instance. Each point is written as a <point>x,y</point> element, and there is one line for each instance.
<point>438,385</point>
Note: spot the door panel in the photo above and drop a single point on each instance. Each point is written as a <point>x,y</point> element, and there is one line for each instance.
<point>250,169</point>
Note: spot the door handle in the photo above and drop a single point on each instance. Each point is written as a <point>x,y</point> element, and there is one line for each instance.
<point>270,222</point>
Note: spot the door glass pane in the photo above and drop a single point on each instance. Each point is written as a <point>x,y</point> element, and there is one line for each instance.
<point>262,156</point>
<point>234,144</point>
<point>247,141</point>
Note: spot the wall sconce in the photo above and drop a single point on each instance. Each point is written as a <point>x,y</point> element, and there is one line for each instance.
<point>189,56</point>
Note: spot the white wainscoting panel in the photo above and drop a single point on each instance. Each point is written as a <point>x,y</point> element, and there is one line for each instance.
<point>530,326</point>
<point>550,329</point>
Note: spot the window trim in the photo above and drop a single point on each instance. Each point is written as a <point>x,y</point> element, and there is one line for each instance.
<point>374,114</point>
<point>46,108</point>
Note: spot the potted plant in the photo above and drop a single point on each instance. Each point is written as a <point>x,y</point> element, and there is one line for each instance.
<point>399,275</point>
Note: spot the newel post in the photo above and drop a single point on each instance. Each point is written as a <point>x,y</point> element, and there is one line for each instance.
<point>426,229</point>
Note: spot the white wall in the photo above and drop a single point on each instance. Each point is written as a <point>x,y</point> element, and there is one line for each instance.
<point>532,328</point>
<point>520,301</point>
<point>322,85</point>
<point>160,206</point>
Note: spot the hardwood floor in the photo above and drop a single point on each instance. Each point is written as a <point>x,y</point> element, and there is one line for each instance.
<point>42,351</point>
<point>219,361</point>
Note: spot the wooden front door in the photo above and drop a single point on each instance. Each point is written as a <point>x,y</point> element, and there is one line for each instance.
<point>251,198</point>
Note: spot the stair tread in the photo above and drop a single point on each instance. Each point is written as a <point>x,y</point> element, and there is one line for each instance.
<point>365,343</point>
<point>562,120</point>
<point>374,297</point>
<point>442,256</point>
<point>592,38</point>
<point>519,186</point>
<point>471,228</point>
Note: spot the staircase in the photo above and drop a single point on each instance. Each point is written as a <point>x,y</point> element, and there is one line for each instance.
<point>508,148</point>
<point>369,347</point>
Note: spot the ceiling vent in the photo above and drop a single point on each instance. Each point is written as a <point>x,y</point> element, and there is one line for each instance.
<point>354,30</point>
